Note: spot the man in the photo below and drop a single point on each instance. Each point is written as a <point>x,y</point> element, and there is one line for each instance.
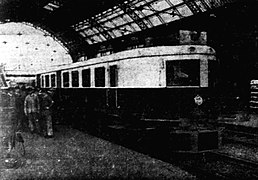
<point>19,107</point>
<point>46,113</point>
<point>32,109</point>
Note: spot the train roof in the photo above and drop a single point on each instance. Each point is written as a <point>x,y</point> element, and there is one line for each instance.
<point>137,53</point>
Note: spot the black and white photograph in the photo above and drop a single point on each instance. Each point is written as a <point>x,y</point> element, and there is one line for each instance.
<point>128,89</point>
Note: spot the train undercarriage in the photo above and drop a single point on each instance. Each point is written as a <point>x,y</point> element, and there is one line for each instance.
<point>148,118</point>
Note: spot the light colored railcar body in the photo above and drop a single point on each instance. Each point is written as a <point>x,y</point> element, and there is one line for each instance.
<point>141,68</point>
<point>141,95</point>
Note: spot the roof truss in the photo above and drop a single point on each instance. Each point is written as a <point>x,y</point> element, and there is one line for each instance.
<point>138,15</point>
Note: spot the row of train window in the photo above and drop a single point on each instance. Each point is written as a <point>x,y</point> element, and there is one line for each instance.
<point>47,82</point>
<point>50,80</point>
<point>178,73</point>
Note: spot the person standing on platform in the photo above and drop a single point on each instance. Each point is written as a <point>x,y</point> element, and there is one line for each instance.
<point>46,113</point>
<point>19,107</point>
<point>32,109</point>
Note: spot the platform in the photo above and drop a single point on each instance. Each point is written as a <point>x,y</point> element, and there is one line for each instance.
<point>72,154</point>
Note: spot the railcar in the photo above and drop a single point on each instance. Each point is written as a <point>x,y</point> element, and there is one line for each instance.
<point>157,91</point>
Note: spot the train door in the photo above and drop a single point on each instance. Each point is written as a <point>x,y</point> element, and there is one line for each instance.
<point>58,79</point>
<point>112,92</point>
<point>38,80</point>
<point>59,109</point>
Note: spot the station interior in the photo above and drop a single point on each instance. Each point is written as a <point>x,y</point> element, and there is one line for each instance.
<point>41,35</point>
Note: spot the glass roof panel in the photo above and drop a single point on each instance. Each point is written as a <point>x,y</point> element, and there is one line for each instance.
<point>139,3</point>
<point>209,3</point>
<point>89,41</point>
<point>52,6</point>
<point>127,18</point>
<point>105,13</point>
<point>102,37</point>
<point>48,8</point>
<point>155,20</point>
<point>176,2</point>
<point>105,16</point>
<point>160,5</point>
<point>217,3</point>
<point>139,14</point>
<point>124,30</point>
<point>85,25</point>
<point>96,38</point>
<point>102,19</point>
<point>129,29</point>
<point>116,22</point>
<point>135,26</point>
<point>149,24</point>
<point>109,25</point>
<point>117,32</point>
<point>169,17</point>
<point>82,34</point>
<point>184,10</point>
<point>88,31</point>
<point>111,34</point>
<point>201,6</point>
<point>147,11</point>
<point>118,10</point>
<point>119,21</point>
<point>95,30</point>
<point>81,26</point>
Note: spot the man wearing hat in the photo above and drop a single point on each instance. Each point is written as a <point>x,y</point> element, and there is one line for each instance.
<point>46,113</point>
<point>32,108</point>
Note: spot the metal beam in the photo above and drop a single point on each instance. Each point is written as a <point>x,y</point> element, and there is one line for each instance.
<point>100,28</point>
<point>126,7</point>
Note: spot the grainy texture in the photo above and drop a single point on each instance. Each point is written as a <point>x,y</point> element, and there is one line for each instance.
<point>72,154</point>
<point>241,151</point>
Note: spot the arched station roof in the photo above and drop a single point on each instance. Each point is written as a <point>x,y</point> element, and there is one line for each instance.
<point>82,23</point>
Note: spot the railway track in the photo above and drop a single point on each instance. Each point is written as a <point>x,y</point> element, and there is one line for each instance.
<point>242,135</point>
<point>216,165</point>
<point>246,139</point>
<point>207,165</point>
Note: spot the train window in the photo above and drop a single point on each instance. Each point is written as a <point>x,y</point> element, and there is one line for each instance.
<point>53,80</point>
<point>183,73</point>
<point>100,77</point>
<point>66,79</point>
<point>86,78</point>
<point>75,78</point>
<point>47,80</point>
<point>42,81</point>
<point>113,76</point>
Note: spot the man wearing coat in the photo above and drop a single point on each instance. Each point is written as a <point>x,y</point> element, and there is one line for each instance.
<point>46,113</point>
<point>32,109</point>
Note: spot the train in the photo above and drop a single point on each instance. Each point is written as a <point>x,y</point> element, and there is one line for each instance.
<point>152,92</point>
